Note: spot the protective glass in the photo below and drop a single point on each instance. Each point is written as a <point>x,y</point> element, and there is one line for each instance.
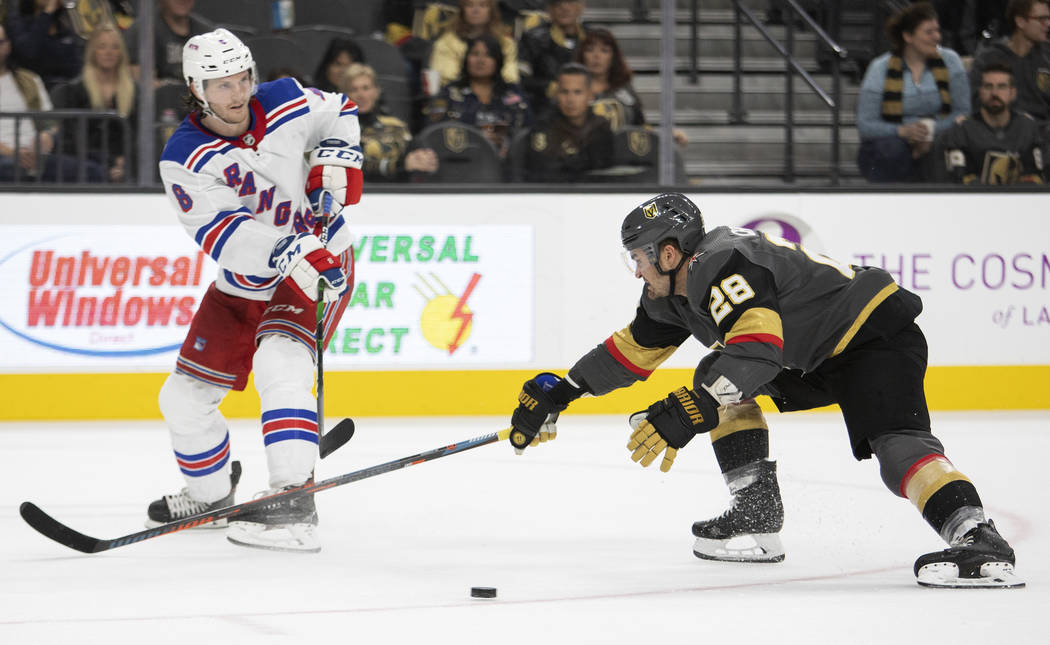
<point>640,259</point>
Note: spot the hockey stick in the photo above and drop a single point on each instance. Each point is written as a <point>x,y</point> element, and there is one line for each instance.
<point>59,532</point>
<point>326,210</point>
<point>327,442</point>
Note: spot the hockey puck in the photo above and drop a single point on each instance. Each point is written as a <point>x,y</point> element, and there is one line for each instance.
<point>482,592</point>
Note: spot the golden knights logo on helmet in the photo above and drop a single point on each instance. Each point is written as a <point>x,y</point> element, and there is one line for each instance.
<point>650,210</point>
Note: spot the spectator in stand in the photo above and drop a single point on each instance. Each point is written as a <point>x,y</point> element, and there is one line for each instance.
<point>385,139</point>
<point>172,27</point>
<point>572,140</point>
<point>44,40</point>
<point>25,152</point>
<point>475,18</point>
<point>997,145</point>
<point>1027,53</point>
<point>909,95</point>
<point>341,54</point>
<point>482,97</point>
<point>544,49</point>
<point>105,84</point>
<point>614,96</point>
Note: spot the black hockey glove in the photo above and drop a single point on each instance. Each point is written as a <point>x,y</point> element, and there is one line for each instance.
<point>669,424</point>
<point>542,398</point>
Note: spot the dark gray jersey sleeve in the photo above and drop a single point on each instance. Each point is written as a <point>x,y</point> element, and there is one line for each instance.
<point>629,355</point>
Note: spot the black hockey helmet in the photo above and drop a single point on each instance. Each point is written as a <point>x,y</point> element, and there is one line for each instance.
<point>666,216</point>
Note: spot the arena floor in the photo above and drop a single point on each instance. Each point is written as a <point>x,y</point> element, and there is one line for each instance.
<point>583,545</point>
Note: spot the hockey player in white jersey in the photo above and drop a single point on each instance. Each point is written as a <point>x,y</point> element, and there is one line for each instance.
<point>237,173</point>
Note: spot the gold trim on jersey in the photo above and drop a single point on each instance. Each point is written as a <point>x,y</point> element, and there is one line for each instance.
<point>886,292</point>
<point>931,478</point>
<point>646,358</point>
<point>757,320</point>
<point>735,417</point>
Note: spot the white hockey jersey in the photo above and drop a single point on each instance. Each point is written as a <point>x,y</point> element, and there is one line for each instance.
<point>236,196</point>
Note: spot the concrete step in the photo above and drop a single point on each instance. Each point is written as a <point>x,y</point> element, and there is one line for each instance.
<point>711,12</point>
<point>749,64</point>
<point>718,41</point>
<point>765,143</point>
<point>691,117</point>
<point>706,171</point>
<point>767,135</point>
<point>760,92</point>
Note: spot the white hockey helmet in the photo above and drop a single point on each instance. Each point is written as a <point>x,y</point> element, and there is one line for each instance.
<point>216,54</point>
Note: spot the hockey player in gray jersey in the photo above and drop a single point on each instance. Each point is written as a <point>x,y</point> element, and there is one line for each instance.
<point>801,328</point>
<point>996,145</point>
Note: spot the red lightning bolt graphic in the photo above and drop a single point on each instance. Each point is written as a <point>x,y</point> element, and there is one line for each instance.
<point>462,315</point>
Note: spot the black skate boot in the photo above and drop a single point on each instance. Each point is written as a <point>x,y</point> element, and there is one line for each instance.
<point>283,525</point>
<point>747,532</point>
<point>171,508</point>
<point>981,559</point>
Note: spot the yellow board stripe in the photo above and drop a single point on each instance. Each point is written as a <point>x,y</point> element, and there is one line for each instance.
<point>465,393</point>
<point>886,292</point>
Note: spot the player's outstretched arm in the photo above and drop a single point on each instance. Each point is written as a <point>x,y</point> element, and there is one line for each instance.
<point>541,400</point>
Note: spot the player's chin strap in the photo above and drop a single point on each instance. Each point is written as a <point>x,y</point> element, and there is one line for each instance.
<point>672,272</point>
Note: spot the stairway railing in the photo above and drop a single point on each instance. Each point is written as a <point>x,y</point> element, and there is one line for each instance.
<point>737,112</point>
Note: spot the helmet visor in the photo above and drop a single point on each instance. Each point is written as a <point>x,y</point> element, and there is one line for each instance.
<point>640,259</point>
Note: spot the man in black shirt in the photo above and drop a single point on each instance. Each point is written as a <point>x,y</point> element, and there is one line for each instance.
<point>571,140</point>
<point>1026,52</point>
<point>996,145</point>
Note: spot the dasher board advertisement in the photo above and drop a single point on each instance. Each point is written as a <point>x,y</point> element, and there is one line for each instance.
<point>121,298</point>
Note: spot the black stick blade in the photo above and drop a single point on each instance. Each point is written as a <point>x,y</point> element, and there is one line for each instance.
<point>52,528</point>
<point>336,437</point>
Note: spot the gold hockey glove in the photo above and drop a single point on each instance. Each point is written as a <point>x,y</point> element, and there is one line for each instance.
<point>669,424</point>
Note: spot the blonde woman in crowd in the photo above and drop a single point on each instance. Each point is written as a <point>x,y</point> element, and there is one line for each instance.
<point>385,139</point>
<point>105,84</point>
<point>475,18</point>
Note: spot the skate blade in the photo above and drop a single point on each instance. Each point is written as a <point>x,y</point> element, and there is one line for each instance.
<point>755,547</point>
<point>291,538</point>
<point>993,575</point>
<point>217,524</point>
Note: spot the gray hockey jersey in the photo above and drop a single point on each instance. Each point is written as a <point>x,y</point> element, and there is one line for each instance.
<point>761,302</point>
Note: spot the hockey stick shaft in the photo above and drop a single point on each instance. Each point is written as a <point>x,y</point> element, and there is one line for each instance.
<point>326,210</point>
<point>55,530</point>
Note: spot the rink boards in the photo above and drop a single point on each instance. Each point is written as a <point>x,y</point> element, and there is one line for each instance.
<point>458,298</point>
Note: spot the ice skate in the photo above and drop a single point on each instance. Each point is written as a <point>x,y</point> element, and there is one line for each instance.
<point>171,508</point>
<point>748,531</point>
<point>284,525</point>
<point>981,560</point>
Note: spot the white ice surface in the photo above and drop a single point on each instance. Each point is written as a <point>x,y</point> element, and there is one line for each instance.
<point>583,545</point>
